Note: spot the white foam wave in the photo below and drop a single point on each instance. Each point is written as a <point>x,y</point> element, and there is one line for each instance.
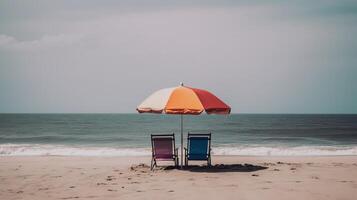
<point>58,150</point>
<point>287,151</point>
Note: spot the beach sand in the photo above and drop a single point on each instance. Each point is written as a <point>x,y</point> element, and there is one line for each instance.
<point>54,177</point>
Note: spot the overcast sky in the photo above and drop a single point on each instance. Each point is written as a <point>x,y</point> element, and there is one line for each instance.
<point>108,56</point>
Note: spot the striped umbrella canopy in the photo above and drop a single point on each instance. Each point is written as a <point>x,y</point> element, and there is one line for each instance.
<point>183,100</point>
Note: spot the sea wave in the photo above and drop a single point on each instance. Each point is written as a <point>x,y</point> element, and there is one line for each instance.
<point>287,151</point>
<point>62,150</point>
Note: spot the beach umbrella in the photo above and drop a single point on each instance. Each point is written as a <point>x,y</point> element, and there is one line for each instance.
<point>183,100</point>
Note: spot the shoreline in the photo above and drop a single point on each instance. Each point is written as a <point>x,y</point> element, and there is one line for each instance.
<point>231,177</point>
<point>148,157</point>
<point>114,151</point>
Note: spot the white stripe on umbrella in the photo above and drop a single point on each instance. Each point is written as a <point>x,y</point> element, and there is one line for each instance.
<point>157,101</point>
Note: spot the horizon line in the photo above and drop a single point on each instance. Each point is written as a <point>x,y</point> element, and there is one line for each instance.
<point>235,113</point>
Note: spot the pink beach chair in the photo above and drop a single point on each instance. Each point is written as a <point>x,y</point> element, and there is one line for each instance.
<point>163,148</point>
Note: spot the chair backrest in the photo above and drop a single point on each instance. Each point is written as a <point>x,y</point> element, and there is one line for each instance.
<point>163,146</point>
<point>199,145</point>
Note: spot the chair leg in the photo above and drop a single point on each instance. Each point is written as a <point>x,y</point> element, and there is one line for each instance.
<point>152,162</point>
<point>209,161</point>
<point>186,161</point>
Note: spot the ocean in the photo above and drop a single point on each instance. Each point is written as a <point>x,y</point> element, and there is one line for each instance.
<point>129,134</point>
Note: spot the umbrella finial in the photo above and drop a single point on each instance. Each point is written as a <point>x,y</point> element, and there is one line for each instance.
<point>181,83</point>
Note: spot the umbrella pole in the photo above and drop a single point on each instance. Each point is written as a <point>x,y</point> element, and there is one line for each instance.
<point>181,141</point>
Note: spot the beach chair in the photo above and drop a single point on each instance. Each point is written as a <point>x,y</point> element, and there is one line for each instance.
<point>198,148</point>
<point>163,148</point>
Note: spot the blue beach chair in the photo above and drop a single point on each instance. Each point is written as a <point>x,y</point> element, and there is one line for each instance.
<point>198,148</point>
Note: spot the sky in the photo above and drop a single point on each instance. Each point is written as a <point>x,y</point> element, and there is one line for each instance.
<point>104,56</point>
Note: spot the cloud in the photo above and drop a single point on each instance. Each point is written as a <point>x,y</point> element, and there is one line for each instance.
<point>45,42</point>
<point>6,40</point>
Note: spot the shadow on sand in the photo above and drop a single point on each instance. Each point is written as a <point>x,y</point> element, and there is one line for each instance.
<point>221,168</point>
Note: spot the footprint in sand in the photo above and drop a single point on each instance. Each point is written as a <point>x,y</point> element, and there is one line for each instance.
<point>110,178</point>
<point>75,197</point>
<point>231,185</point>
<point>211,177</point>
<point>345,181</point>
<point>92,196</point>
<point>337,164</point>
<point>269,164</point>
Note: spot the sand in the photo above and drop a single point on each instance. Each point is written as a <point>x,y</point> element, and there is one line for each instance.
<point>54,177</point>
